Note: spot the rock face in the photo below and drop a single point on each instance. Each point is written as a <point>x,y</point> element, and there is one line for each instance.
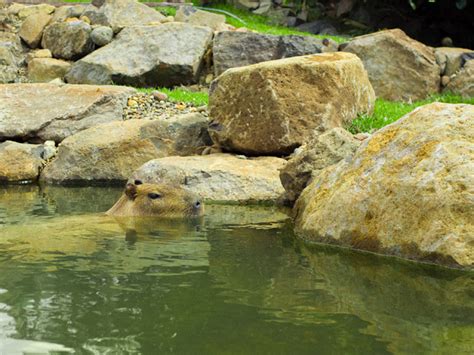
<point>273,107</point>
<point>219,177</point>
<point>164,55</point>
<point>237,49</point>
<point>68,40</point>
<point>118,14</point>
<point>39,112</point>
<point>32,28</point>
<point>20,162</point>
<point>320,152</point>
<point>112,151</point>
<point>198,17</point>
<point>43,70</point>
<point>10,57</point>
<point>463,83</point>
<point>399,67</point>
<point>407,191</point>
<point>450,59</point>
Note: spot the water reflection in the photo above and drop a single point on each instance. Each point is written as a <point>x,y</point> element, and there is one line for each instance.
<point>234,281</point>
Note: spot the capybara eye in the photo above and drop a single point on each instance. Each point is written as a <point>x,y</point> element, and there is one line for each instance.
<point>138,182</point>
<point>154,196</point>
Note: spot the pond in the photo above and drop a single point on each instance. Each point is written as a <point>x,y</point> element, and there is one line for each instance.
<point>236,281</point>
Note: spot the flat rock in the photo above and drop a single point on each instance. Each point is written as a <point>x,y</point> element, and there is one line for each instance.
<point>273,107</point>
<point>450,59</point>
<point>118,14</point>
<point>463,83</point>
<point>163,55</point>
<point>219,177</point>
<point>43,70</point>
<point>40,112</point>
<point>318,153</point>
<point>31,30</point>
<point>400,68</point>
<point>111,152</point>
<point>198,17</point>
<point>232,49</point>
<point>20,163</point>
<point>407,191</point>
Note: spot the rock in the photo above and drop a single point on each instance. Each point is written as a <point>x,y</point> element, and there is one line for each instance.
<point>320,152</point>
<point>273,107</point>
<point>39,112</point>
<point>160,96</point>
<point>27,11</point>
<point>11,57</point>
<point>449,59</point>
<point>14,9</point>
<point>32,28</point>
<point>197,17</point>
<point>321,27</point>
<point>236,49</point>
<point>118,14</point>
<point>19,162</point>
<point>49,150</point>
<point>43,70</point>
<point>102,35</point>
<point>445,80</point>
<point>112,151</point>
<point>463,83</point>
<point>407,191</point>
<point>39,53</point>
<point>399,67</point>
<point>68,40</point>
<point>62,13</point>
<point>219,177</point>
<point>164,55</point>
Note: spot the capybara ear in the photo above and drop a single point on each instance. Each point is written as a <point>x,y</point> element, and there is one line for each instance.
<point>138,182</point>
<point>131,191</point>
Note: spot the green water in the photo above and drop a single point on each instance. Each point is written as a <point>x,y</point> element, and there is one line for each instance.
<point>235,282</point>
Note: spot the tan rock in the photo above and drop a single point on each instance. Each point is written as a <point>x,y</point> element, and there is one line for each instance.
<point>199,17</point>
<point>320,152</point>
<point>112,151</point>
<point>449,59</point>
<point>463,83</point>
<point>407,191</point>
<point>24,12</point>
<point>32,28</point>
<point>399,67</point>
<point>273,107</point>
<point>43,70</point>
<point>20,162</point>
<point>219,177</point>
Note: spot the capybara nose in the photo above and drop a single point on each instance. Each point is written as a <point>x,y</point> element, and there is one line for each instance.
<point>197,204</point>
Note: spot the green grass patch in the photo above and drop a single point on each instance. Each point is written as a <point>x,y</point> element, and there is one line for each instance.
<point>181,95</point>
<point>386,112</point>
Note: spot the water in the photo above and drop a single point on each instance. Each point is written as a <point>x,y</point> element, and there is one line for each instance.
<point>236,282</point>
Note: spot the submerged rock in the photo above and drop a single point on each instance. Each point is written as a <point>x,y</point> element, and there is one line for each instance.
<point>219,177</point>
<point>19,162</point>
<point>407,191</point>
<point>274,107</point>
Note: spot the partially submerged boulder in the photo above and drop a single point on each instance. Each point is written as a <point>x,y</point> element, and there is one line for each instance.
<point>463,83</point>
<point>273,107</point>
<point>232,49</point>
<point>407,191</point>
<point>399,67</point>
<point>43,70</point>
<point>163,55</point>
<point>20,163</point>
<point>111,152</point>
<point>320,152</point>
<point>39,112</point>
<point>219,177</point>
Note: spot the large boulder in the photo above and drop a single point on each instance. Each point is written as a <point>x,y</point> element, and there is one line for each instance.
<point>68,40</point>
<point>407,191</point>
<point>463,83</point>
<point>118,14</point>
<point>198,17</point>
<point>233,49</point>
<point>219,177</point>
<point>399,67</point>
<point>11,57</point>
<point>31,30</point>
<point>273,107</point>
<point>111,152</point>
<point>163,55</point>
<point>39,112</point>
<point>20,163</point>
<point>318,153</point>
<point>43,70</point>
<point>450,59</point>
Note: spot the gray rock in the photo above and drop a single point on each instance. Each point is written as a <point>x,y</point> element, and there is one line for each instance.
<point>236,49</point>
<point>11,57</point>
<point>69,40</point>
<point>118,14</point>
<point>39,112</point>
<point>102,35</point>
<point>163,55</point>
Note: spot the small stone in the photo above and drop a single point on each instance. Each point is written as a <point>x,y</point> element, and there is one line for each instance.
<point>49,150</point>
<point>85,19</point>
<point>362,136</point>
<point>102,35</point>
<point>132,103</point>
<point>180,106</point>
<point>167,19</point>
<point>445,80</point>
<point>209,78</point>
<point>158,95</point>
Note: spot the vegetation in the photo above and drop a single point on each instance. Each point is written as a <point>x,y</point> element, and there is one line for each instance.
<point>181,95</point>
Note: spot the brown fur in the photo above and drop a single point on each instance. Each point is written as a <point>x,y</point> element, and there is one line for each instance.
<point>172,202</point>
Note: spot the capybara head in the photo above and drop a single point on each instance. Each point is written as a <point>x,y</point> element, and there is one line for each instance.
<point>147,200</point>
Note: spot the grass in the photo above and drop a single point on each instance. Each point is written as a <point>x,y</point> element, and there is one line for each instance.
<point>181,95</point>
<point>386,112</point>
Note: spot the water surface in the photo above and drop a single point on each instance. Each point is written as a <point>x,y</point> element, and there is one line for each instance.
<point>235,282</point>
